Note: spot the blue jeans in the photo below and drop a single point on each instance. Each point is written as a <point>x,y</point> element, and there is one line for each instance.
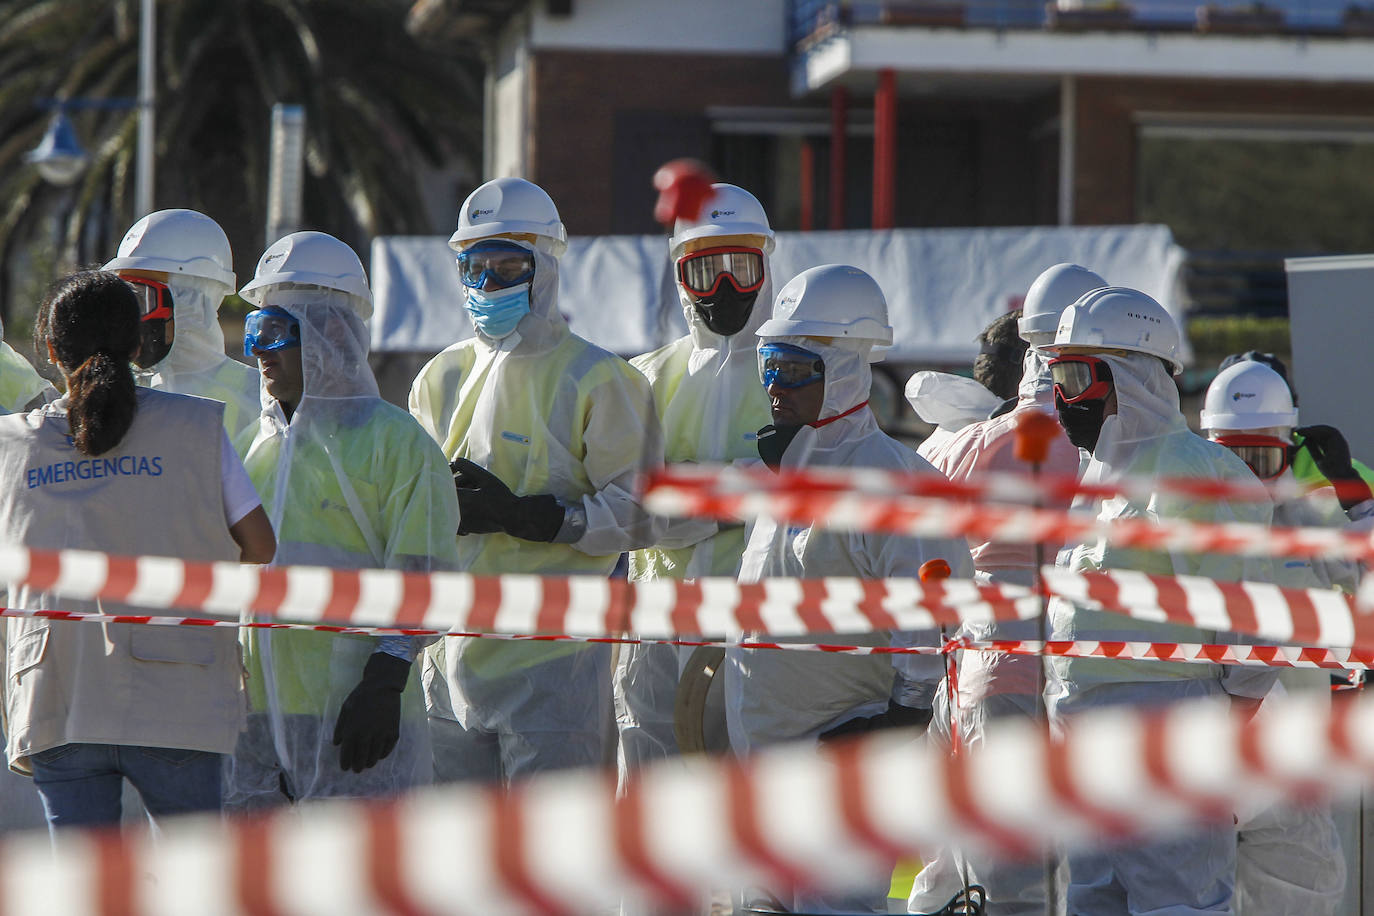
<point>81,784</point>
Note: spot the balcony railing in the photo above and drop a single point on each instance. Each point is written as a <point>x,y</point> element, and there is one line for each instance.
<point>812,20</point>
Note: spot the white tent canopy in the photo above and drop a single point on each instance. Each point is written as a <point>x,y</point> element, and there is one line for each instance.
<point>943,286</point>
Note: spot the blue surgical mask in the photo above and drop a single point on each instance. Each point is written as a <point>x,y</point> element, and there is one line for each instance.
<point>496,313</point>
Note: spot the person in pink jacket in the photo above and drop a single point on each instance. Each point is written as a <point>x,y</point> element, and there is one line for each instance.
<point>992,685</point>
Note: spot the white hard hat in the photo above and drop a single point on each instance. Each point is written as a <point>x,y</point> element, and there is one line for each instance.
<point>508,205</point>
<point>1248,395</point>
<point>830,301</point>
<point>730,210</point>
<point>1118,318</point>
<point>1054,290</point>
<point>312,259</point>
<point>180,242</point>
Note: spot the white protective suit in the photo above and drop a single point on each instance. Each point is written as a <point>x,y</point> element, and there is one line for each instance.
<point>1289,857</point>
<point>197,364</point>
<point>547,413</point>
<point>776,696</point>
<point>712,405</point>
<point>350,481</point>
<point>1148,437</point>
<point>992,685</point>
<point>948,402</point>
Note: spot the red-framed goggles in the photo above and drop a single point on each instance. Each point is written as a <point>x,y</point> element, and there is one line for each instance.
<point>154,298</point>
<point>701,272</point>
<point>1080,378</point>
<point>1268,456</point>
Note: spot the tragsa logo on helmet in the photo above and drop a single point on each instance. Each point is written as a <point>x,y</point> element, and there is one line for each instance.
<point>478,212</point>
<point>717,214</point>
<point>1236,396</point>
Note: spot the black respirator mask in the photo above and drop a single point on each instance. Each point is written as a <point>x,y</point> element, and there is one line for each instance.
<point>727,312</point>
<point>1082,422</point>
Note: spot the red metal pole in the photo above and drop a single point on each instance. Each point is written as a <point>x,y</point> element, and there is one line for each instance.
<point>808,185</point>
<point>839,116</point>
<point>885,150</point>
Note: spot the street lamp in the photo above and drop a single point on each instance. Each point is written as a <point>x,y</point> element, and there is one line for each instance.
<point>59,157</point>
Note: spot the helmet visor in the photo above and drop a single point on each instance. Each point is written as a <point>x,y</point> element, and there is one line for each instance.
<point>787,366</point>
<point>270,328</point>
<point>154,298</point>
<point>1266,455</point>
<point>496,263</point>
<point>702,272</point>
<point>1079,378</point>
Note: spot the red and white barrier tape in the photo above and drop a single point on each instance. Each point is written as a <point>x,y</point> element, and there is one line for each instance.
<point>996,486</point>
<point>563,843</point>
<point>1206,653</point>
<point>592,606</point>
<point>925,517</point>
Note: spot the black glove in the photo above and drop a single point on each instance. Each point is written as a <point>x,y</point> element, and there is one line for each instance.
<point>897,716</point>
<point>370,720</point>
<point>773,441</point>
<point>485,504</point>
<point>1331,453</point>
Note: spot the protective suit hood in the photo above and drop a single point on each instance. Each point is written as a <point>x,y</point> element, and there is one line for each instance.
<point>1037,387</point>
<point>334,346</point>
<point>848,377</point>
<point>544,325</point>
<point>1147,410</point>
<point>198,344</point>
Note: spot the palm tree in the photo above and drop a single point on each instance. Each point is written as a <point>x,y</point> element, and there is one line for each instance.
<point>379,106</point>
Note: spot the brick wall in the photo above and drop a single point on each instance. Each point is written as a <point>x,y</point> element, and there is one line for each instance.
<point>579,96</point>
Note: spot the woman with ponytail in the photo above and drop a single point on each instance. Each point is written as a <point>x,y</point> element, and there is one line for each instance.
<point>126,470</point>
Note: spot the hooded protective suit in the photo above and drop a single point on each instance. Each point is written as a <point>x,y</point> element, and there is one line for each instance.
<point>780,696</point>
<point>772,696</point>
<point>197,364</point>
<point>349,481</point>
<point>1148,437</point>
<point>707,392</point>
<point>548,413</point>
<point>992,685</point>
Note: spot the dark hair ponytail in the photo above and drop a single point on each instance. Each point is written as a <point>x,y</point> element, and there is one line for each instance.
<point>91,321</point>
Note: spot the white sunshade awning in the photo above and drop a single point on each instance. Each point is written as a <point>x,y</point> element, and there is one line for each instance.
<point>943,286</point>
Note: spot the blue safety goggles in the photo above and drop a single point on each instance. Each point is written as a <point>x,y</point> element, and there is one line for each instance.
<point>497,261</point>
<point>787,366</point>
<point>270,328</point>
